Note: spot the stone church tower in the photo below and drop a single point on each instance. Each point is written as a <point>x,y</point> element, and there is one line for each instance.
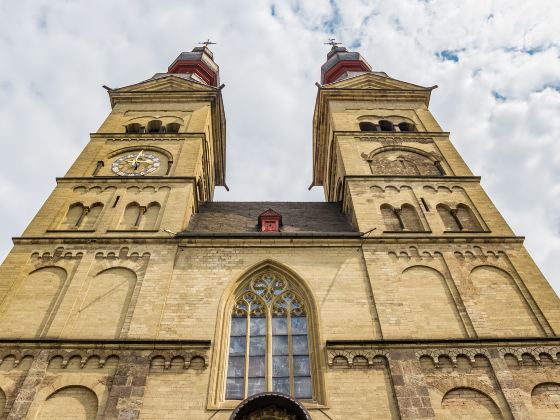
<point>132,295</point>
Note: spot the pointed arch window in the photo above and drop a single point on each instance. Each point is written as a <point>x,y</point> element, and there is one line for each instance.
<point>268,345</point>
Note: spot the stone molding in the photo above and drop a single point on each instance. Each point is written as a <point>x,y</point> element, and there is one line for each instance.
<point>395,140</point>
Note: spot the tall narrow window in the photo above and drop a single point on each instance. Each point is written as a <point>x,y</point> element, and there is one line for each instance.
<point>269,346</point>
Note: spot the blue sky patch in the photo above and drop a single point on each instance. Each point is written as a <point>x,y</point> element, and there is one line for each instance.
<point>331,25</point>
<point>498,96</point>
<point>447,55</point>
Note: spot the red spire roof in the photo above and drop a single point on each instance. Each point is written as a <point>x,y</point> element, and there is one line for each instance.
<point>199,62</point>
<point>339,62</point>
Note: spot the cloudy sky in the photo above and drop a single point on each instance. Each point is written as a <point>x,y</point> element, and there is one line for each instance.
<point>496,63</point>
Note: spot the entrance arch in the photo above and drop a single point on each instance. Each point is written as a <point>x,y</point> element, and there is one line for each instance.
<point>270,406</point>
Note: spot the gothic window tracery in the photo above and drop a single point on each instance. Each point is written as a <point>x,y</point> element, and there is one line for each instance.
<point>268,348</point>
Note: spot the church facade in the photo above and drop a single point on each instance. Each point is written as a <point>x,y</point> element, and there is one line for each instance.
<point>133,295</point>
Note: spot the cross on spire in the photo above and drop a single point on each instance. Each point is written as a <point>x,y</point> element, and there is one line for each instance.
<point>207,42</point>
<point>332,42</point>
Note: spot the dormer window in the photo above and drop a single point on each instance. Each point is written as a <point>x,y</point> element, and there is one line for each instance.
<point>269,221</point>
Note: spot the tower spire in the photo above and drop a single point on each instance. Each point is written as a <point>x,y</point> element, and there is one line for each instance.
<point>199,62</point>
<point>342,64</point>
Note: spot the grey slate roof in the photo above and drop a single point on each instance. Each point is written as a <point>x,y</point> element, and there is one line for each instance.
<point>241,217</point>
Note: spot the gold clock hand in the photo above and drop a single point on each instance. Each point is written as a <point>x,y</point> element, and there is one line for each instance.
<point>136,159</point>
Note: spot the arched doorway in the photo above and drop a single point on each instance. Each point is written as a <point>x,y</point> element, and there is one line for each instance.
<point>270,406</point>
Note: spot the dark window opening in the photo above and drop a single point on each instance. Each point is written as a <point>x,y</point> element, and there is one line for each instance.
<point>368,126</point>
<point>156,126</point>
<point>134,128</point>
<point>405,126</point>
<point>172,128</point>
<point>385,125</point>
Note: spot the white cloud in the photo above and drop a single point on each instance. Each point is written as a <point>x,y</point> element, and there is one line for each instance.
<point>500,100</point>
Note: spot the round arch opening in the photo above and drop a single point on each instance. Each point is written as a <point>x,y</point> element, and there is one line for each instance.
<point>272,405</point>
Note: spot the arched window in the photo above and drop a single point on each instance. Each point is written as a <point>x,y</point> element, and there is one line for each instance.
<point>268,347</point>
<point>149,219</point>
<point>386,125</point>
<point>91,215</point>
<point>449,220</point>
<point>391,218</point>
<point>406,126</point>
<point>410,218</point>
<point>367,126</point>
<point>172,128</point>
<point>460,219</point>
<point>399,219</point>
<point>131,216</point>
<point>467,219</point>
<point>155,126</point>
<point>134,128</point>
<point>74,215</point>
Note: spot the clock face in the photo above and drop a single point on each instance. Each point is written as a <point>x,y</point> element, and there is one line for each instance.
<point>136,164</point>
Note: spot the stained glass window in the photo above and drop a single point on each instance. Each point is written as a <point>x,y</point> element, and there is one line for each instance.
<point>268,347</point>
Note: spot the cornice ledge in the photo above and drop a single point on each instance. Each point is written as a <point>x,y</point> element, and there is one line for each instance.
<point>148,179</point>
<point>417,177</point>
<point>103,343</point>
<point>446,342</point>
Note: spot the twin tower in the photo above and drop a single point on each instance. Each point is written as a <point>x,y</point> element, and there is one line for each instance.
<point>133,295</point>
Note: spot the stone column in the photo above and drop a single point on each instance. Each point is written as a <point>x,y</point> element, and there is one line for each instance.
<point>28,389</point>
<point>411,391</point>
<point>126,393</point>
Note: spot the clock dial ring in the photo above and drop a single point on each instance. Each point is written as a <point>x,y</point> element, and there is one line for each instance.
<point>136,164</point>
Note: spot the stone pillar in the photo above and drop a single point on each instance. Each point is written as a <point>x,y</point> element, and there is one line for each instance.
<point>31,383</point>
<point>411,391</point>
<point>509,388</point>
<point>126,393</point>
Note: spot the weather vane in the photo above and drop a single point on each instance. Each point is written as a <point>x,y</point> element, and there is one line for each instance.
<point>207,42</point>
<point>332,42</point>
